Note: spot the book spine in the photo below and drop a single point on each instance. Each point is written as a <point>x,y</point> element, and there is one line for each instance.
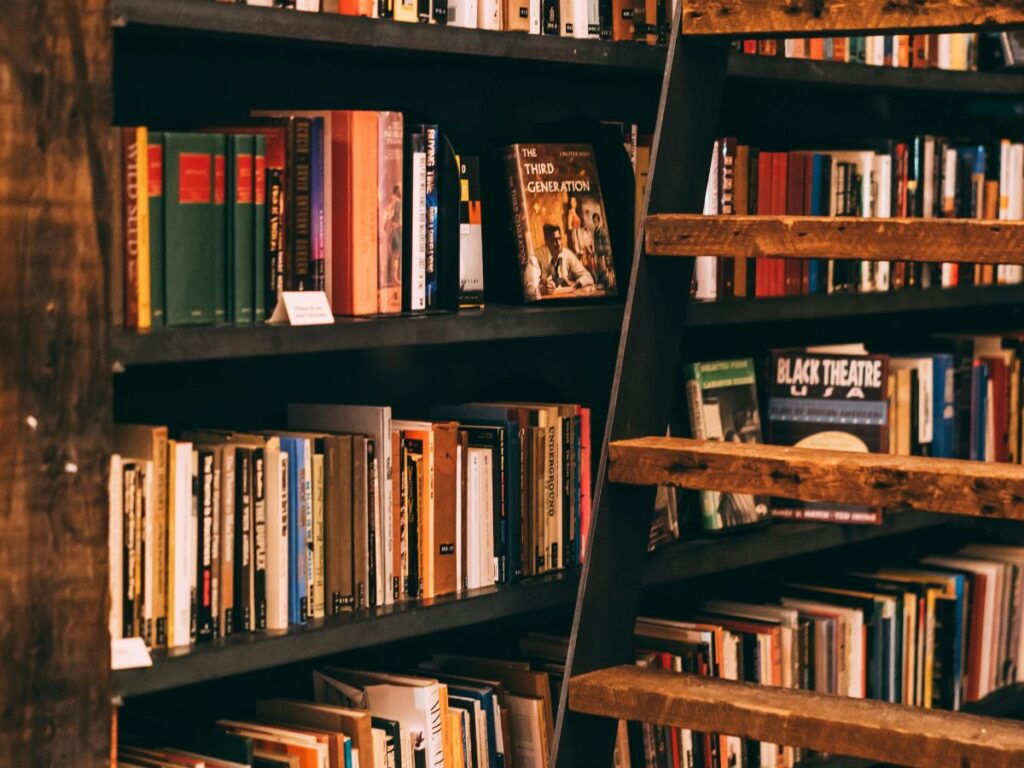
<point>226,515</point>
<point>259,539</point>
<point>299,206</point>
<point>156,228</point>
<point>389,211</point>
<point>220,255</point>
<point>551,25</point>
<point>260,272</point>
<point>243,541</point>
<point>135,159</point>
<point>204,574</point>
<point>418,265</point>
<point>439,12</point>
<point>622,20</point>
<point>373,597</point>
<point>317,549</point>
<point>243,220</point>
<point>318,221</point>
<point>128,558</point>
<point>431,137</point>
<point>115,544</point>
<point>276,250</point>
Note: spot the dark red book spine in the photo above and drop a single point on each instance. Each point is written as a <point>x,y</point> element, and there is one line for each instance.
<point>763,283</point>
<point>780,177</point>
<point>797,164</point>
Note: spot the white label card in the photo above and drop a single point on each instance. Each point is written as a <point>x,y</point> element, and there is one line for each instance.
<point>129,653</point>
<point>303,308</point>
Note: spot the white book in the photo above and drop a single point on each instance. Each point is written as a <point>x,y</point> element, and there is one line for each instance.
<point>261,3</point>
<point>184,521</point>
<point>309,6</point>
<point>945,57</point>
<point>536,14</point>
<point>489,14</point>
<point>115,546</point>
<point>705,271</point>
<point>473,515</point>
<point>374,421</point>
<point>463,13</point>
<point>882,208</point>
<point>418,281</point>
<point>874,46</point>
<point>459,512</point>
<point>580,18</point>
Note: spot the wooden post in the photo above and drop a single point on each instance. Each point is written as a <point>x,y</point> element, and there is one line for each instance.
<point>55,384</point>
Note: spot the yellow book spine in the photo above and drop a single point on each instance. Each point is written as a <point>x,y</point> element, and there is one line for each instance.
<point>145,307</point>
<point>405,10</point>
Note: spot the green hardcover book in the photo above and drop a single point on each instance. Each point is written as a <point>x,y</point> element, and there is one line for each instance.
<point>156,227</point>
<point>220,232</point>
<point>190,261</point>
<point>260,268</point>
<point>240,233</point>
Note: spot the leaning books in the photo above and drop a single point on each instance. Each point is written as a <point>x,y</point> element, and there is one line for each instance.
<point>828,401</point>
<point>559,221</point>
<point>722,402</point>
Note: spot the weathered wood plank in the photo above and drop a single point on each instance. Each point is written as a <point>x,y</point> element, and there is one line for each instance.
<point>814,17</point>
<point>971,488</point>
<point>55,385</point>
<point>959,240</point>
<point>838,725</point>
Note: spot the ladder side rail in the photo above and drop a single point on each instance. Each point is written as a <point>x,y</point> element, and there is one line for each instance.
<point>641,400</point>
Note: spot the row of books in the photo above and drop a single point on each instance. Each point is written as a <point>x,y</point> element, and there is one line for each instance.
<point>936,634</point>
<point>956,397</point>
<point>448,712</point>
<point>378,214</point>
<point>926,177</point>
<point>951,51</point>
<point>221,532</point>
<point>645,21</point>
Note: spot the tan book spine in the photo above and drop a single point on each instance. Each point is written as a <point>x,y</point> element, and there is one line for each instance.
<point>397,516</point>
<point>446,441</point>
<point>318,536</point>
<point>903,410</point>
<point>361,523</point>
<point>338,552</point>
<point>227,541</point>
<point>622,20</point>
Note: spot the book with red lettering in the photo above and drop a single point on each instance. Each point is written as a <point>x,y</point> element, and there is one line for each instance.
<point>191,260</point>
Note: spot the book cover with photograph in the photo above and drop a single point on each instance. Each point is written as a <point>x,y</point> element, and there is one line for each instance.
<point>826,401</point>
<point>560,223</point>
<point>721,400</point>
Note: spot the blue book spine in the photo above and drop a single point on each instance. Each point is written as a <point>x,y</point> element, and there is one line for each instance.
<point>431,141</point>
<point>348,753</point>
<point>943,407</point>
<point>513,453</point>
<point>318,225</point>
<point>290,446</point>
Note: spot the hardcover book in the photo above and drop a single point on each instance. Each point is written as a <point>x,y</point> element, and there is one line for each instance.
<point>835,402</point>
<point>559,220</point>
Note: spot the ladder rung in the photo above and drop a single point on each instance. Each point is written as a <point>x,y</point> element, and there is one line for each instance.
<point>972,488</point>
<point>835,724</point>
<point>932,240</point>
<point>788,18</point>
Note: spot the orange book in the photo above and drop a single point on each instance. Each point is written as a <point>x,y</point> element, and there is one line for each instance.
<point>816,49</point>
<point>397,462</point>
<point>354,160</point>
<point>446,443</point>
<point>622,20</point>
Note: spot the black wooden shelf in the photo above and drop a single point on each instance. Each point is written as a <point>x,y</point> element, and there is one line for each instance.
<point>493,323</point>
<point>822,306</point>
<point>502,322</point>
<point>204,18</point>
<point>250,653</point>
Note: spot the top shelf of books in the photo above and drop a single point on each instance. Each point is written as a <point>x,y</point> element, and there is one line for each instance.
<point>383,38</point>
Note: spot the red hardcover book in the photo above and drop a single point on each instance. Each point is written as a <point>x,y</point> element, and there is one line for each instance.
<point>780,177</point>
<point>840,49</point>
<point>762,284</point>
<point>920,51</point>
<point>797,165</point>
<point>1000,406</point>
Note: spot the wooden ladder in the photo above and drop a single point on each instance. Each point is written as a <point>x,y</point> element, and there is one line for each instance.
<point>603,686</point>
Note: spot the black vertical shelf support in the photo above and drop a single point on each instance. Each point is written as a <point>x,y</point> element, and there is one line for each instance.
<point>651,341</point>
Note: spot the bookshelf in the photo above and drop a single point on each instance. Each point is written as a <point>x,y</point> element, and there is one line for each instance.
<point>132,44</point>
